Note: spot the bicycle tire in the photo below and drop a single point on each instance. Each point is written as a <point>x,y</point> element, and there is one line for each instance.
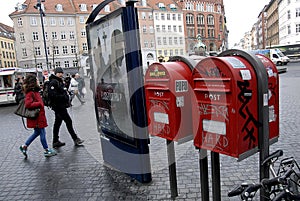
<point>294,183</point>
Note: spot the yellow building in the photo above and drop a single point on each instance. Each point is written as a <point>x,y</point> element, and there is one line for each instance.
<point>7,47</point>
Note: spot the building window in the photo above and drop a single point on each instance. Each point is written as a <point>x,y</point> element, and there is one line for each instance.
<point>166,52</point>
<point>72,35</point>
<point>159,40</point>
<point>35,36</point>
<point>180,28</point>
<point>165,40</point>
<point>168,16</point>
<point>159,52</point>
<point>37,51</point>
<point>57,64</point>
<point>210,8</point>
<point>24,52</point>
<point>75,63</point>
<point>156,16</point>
<point>200,19</point>
<point>83,7</point>
<point>83,33</point>
<point>289,29</point>
<point>163,28</point>
<point>61,21</point>
<point>181,40</point>
<point>107,8</point>
<point>145,44</point>
<point>157,28</point>
<point>48,50</point>
<point>144,29</point>
<point>170,40</point>
<point>171,52</point>
<point>211,33</point>
<point>289,14</point>
<point>297,28</point>
<point>162,16</point>
<point>52,21</point>
<point>151,29</point>
<point>70,21</point>
<point>84,46</point>
<point>189,6</point>
<point>179,17</point>
<point>20,22</point>
<point>81,20</point>
<point>174,28</point>
<point>210,20</point>
<point>174,17</point>
<point>65,49</point>
<point>73,49</point>
<point>297,12</point>
<point>39,65</point>
<point>33,21</point>
<point>54,35</point>
<point>63,35</point>
<point>67,64</point>
<point>150,16</point>
<point>169,28</point>
<point>22,37</point>
<point>59,7</point>
<point>190,19</point>
<point>175,41</point>
<point>143,15</point>
<point>55,50</point>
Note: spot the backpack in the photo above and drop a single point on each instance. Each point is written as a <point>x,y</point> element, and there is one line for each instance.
<point>45,94</point>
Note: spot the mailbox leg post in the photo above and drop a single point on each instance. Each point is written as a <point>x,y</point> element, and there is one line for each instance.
<point>203,162</point>
<point>172,168</point>
<point>216,181</point>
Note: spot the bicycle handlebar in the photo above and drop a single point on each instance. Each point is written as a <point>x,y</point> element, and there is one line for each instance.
<point>275,154</point>
<point>286,194</point>
<point>267,183</point>
<point>237,191</point>
<point>251,190</point>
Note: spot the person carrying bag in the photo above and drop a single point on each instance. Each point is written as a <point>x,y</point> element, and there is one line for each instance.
<point>33,100</point>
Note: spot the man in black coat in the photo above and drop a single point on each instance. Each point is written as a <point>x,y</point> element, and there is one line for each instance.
<point>60,101</point>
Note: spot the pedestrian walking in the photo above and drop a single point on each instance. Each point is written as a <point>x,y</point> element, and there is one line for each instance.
<point>18,90</point>
<point>73,89</point>
<point>60,101</point>
<point>81,85</point>
<point>34,100</point>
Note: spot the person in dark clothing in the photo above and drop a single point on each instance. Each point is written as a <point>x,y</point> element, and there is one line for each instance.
<point>18,90</point>
<point>60,101</point>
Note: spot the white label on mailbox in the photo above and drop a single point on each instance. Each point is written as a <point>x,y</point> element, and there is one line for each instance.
<point>212,126</point>
<point>161,117</point>
<point>180,101</point>
<point>181,85</point>
<point>235,63</point>
<point>246,75</point>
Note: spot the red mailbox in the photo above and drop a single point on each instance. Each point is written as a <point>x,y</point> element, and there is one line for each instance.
<point>225,110</point>
<point>168,100</point>
<point>273,93</point>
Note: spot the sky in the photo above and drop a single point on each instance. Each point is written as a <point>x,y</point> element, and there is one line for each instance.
<point>240,15</point>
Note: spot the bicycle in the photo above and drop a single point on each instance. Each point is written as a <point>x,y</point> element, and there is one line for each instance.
<point>285,183</point>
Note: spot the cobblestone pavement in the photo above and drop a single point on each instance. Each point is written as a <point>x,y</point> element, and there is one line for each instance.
<point>78,173</point>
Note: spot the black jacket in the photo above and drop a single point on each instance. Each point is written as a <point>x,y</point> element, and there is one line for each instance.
<point>58,93</point>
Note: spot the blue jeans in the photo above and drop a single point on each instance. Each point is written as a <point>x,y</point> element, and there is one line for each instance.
<point>38,132</point>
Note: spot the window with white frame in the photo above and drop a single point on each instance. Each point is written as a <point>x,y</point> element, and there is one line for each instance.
<point>168,16</point>
<point>52,21</point>
<point>151,43</point>
<point>181,40</point>
<point>159,52</point>
<point>81,20</point>
<point>164,40</point>
<point>289,14</point>
<point>75,63</point>
<point>22,37</point>
<point>37,51</point>
<point>210,8</point>
<point>70,21</point>
<point>170,40</point>
<point>65,49</point>
<point>57,64</point>
<point>189,6</point>
<point>63,35</point>
<point>73,49</point>
<point>210,20</point>
<point>46,36</point>
<point>54,35</point>
<point>162,16</point>
<point>48,50</point>
<point>35,36</point>
<point>163,28</point>
<point>107,8</point>
<point>181,51</point>
<point>151,29</point>
<point>171,53</point>
<point>169,28</point>
<point>174,17</point>
<point>44,21</point>
<point>67,64</point>
<point>179,17</point>
<point>157,28</point>
<point>33,21</point>
<point>180,28</point>
<point>159,40</point>
<point>59,7</point>
<point>145,44</point>
<point>55,50</point>
<point>297,28</point>
<point>150,16</point>
<point>176,51</point>
<point>190,19</point>
<point>200,19</point>
<point>166,52</point>
<point>20,22</point>
<point>39,65</point>
<point>175,41</point>
<point>289,29</point>
<point>174,28</point>
<point>144,29</point>
<point>297,12</point>
<point>83,7</point>
<point>72,35</point>
<point>84,47</point>
<point>24,52</point>
<point>143,15</point>
<point>156,16</point>
<point>61,21</point>
<point>83,33</point>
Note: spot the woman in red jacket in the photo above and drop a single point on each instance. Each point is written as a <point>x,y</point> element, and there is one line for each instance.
<point>34,100</point>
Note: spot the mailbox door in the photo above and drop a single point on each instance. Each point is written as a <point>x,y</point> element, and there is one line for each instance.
<point>168,101</point>
<point>273,92</point>
<point>225,104</point>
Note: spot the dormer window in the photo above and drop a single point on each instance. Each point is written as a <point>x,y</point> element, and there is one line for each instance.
<point>107,8</point>
<point>94,6</point>
<point>20,7</point>
<point>59,7</point>
<point>83,7</point>
<point>161,6</point>
<point>173,7</point>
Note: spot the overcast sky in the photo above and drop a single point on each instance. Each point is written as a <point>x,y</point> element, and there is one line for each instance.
<point>240,14</point>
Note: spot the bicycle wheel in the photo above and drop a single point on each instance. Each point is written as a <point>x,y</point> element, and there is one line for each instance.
<point>294,183</point>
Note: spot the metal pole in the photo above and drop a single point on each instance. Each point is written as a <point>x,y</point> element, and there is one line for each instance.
<point>216,181</point>
<point>39,6</point>
<point>203,162</point>
<point>172,168</point>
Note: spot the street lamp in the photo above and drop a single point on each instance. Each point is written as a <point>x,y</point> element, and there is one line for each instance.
<point>38,6</point>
